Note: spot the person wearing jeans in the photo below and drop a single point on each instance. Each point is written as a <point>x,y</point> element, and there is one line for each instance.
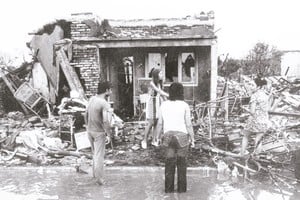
<point>174,119</point>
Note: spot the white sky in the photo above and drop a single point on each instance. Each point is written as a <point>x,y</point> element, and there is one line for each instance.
<point>242,23</point>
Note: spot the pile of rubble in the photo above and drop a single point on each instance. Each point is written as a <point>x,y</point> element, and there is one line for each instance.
<point>220,133</point>
<point>27,140</point>
<point>31,140</point>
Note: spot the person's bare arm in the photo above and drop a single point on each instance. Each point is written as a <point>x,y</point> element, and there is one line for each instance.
<point>251,110</point>
<point>158,90</point>
<point>86,114</point>
<point>252,107</point>
<point>189,126</point>
<point>107,117</point>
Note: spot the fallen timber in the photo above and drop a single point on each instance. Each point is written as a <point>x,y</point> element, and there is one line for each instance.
<point>23,156</point>
<point>68,153</point>
<point>284,114</point>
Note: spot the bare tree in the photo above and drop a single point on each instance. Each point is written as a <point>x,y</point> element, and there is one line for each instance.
<point>6,62</point>
<point>263,59</point>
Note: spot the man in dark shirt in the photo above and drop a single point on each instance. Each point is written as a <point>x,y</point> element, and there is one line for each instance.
<point>98,118</point>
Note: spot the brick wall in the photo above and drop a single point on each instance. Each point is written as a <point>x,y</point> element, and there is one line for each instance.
<point>79,29</point>
<point>85,59</point>
<point>85,56</point>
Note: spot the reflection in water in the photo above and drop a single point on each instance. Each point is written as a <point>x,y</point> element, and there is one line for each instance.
<point>130,183</point>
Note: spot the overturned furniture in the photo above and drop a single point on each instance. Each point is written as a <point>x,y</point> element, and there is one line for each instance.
<point>31,98</point>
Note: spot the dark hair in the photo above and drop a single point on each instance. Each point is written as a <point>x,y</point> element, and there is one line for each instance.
<point>176,91</point>
<point>150,73</point>
<point>103,86</point>
<point>155,76</point>
<point>259,81</point>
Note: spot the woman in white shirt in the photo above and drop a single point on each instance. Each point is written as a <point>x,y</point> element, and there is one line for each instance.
<point>174,119</point>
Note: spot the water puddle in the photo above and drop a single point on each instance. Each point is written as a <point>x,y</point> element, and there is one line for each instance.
<point>131,183</point>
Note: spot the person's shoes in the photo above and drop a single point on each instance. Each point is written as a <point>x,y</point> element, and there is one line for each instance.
<point>155,143</point>
<point>144,144</point>
<point>102,182</point>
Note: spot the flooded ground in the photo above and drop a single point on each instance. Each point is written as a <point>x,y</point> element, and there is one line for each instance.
<point>131,183</point>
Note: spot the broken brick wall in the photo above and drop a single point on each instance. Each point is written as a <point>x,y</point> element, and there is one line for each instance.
<point>79,29</point>
<point>85,56</point>
<point>85,61</point>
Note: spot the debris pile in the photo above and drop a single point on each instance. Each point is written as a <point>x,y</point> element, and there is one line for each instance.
<point>220,132</point>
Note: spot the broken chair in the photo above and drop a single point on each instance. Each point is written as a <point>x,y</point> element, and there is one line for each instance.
<point>31,98</point>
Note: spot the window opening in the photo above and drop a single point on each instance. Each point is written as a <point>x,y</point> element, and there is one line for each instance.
<point>171,70</point>
<point>188,67</point>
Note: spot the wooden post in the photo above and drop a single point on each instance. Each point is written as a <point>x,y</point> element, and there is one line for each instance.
<point>209,122</point>
<point>226,102</point>
<point>214,73</point>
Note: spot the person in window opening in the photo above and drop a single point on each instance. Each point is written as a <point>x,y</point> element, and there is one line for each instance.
<point>98,118</point>
<point>187,64</point>
<point>156,96</point>
<point>258,122</point>
<point>175,121</point>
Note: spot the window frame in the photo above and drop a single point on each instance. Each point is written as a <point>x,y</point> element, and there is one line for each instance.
<point>179,66</point>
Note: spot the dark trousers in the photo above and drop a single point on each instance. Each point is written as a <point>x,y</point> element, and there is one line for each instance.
<point>175,157</point>
<point>297,164</point>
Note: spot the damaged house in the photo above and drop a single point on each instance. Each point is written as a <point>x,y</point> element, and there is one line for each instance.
<point>75,54</point>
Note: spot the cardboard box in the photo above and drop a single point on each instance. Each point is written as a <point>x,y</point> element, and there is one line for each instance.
<point>82,141</point>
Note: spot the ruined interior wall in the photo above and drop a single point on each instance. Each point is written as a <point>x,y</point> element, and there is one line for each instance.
<point>39,80</point>
<point>42,45</point>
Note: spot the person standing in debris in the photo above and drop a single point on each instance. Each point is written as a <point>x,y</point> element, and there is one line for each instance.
<point>98,118</point>
<point>258,122</point>
<point>156,96</point>
<point>175,121</point>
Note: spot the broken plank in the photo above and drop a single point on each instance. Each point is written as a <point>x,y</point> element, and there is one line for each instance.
<point>219,151</point>
<point>284,114</point>
<point>244,167</point>
<point>70,73</point>
<point>68,153</point>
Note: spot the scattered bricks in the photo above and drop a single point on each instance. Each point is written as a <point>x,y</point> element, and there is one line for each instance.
<point>39,124</point>
<point>274,146</point>
<point>34,119</point>
<point>28,125</point>
<point>135,147</point>
<point>24,123</point>
<point>139,137</point>
<point>234,136</point>
<point>16,115</point>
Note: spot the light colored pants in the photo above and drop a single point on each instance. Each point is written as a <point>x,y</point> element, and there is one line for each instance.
<point>97,140</point>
